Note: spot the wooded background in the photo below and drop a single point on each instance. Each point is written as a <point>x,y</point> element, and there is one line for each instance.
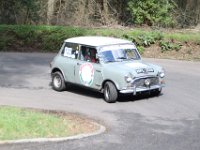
<point>165,13</point>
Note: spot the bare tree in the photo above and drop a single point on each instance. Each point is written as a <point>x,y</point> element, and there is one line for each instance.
<point>105,12</point>
<point>188,12</point>
<point>50,10</point>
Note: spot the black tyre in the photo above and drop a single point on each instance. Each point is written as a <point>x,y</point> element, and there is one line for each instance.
<point>58,82</point>
<point>110,92</point>
<point>156,92</point>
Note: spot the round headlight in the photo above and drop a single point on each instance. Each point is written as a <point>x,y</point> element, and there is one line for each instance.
<point>147,82</point>
<point>162,74</point>
<point>129,78</point>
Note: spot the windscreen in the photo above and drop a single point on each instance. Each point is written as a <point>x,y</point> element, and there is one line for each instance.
<point>119,53</point>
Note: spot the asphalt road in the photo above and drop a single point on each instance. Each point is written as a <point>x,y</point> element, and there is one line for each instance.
<point>168,122</point>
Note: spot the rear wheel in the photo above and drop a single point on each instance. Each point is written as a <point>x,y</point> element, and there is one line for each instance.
<point>58,82</point>
<point>110,92</point>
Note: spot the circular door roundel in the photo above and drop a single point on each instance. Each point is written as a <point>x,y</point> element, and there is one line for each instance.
<point>86,73</point>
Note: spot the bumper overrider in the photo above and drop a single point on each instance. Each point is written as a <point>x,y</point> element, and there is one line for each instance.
<point>144,84</point>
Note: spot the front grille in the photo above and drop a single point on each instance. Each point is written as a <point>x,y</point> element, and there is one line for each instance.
<point>140,82</point>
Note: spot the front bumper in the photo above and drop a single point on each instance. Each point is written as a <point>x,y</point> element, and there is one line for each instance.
<point>138,85</point>
<point>134,90</point>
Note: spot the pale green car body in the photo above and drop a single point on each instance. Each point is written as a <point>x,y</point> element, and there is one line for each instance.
<point>129,76</point>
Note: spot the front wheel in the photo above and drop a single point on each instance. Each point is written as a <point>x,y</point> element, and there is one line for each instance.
<point>58,82</point>
<point>156,92</point>
<point>110,92</point>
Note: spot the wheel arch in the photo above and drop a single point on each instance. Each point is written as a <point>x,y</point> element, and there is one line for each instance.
<point>108,80</point>
<point>58,70</point>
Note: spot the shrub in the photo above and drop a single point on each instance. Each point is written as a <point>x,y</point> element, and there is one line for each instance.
<point>145,39</point>
<point>46,38</point>
<point>140,49</point>
<point>167,46</point>
<point>151,12</point>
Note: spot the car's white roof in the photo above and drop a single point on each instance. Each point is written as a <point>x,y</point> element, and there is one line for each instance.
<point>97,40</point>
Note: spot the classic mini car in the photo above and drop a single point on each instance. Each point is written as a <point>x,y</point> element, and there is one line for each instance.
<point>109,65</point>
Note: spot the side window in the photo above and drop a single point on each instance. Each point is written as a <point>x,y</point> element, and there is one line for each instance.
<point>70,50</point>
<point>88,54</point>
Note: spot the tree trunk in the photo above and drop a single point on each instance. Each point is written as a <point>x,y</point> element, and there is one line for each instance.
<point>105,11</point>
<point>198,11</point>
<point>50,10</point>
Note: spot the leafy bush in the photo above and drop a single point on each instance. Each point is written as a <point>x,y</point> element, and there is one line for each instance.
<point>46,38</point>
<point>145,39</point>
<point>167,46</point>
<point>151,12</point>
<point>140,49</point>
<point>52,38</point>
<point>5,42</point>
<point>49,38</point>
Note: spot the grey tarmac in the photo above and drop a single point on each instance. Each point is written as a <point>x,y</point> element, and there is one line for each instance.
<point>168,122</point>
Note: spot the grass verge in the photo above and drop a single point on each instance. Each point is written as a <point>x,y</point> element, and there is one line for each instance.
<point>16,123</point>
<point>49,38</point>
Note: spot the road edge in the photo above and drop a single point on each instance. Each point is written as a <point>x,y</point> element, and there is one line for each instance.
<point>101,130</point>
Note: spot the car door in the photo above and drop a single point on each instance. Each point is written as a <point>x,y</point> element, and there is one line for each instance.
<point>88,70</point>
<point>69,61</point>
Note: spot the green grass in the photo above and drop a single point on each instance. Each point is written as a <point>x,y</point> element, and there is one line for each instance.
<point>184,37</point>
<point>16,123</point>
<point>106,32</point>
<point>50,38</point>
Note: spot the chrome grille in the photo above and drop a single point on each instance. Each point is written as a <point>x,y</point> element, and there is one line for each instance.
<point>141,82</point>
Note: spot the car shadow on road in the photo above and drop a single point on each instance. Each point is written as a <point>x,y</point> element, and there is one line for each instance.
<point>96,94</point>
<point>138,97</point>
<point>85,92</point>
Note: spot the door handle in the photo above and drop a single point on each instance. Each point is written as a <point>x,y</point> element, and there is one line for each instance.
<point>98,70</point>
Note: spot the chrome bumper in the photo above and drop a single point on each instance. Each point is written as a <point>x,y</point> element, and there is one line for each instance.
<point>134,90</point>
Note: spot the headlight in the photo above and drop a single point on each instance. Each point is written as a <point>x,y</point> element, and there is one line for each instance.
<point>129,78</point>
<point>147,82</point>
<point>161,73</point>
